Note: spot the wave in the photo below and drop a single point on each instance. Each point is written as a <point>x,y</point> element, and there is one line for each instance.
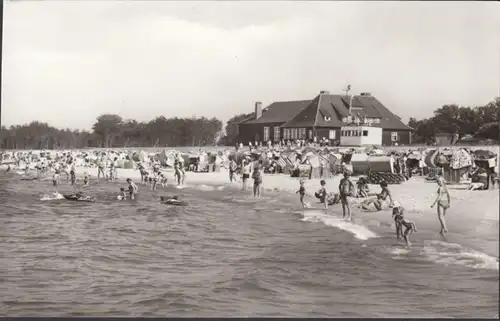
<point>52,197</point>
<point>456,254</point>
<point>359,231</point>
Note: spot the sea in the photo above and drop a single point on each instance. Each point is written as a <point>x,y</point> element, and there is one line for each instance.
<point>227,254</point>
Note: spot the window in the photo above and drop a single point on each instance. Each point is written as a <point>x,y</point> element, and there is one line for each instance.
<point>328,118</point>
<point>276,133</point>
<point>266,133</point>
<point>310,134</point>
<point>331,134</point>
<point>295,133</point>
<point>365,133</point>
<point>360,132</point>
<point>286,133</point>
<point>302,133</point>
<point>344,119</point>
<point>376,120</point>
<point>394,137</point>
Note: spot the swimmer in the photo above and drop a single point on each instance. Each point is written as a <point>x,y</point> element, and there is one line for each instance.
<point>132,189</point>
<point>56,179</point>
<point>257,181</point>
<point>145,176</point>
<point>123,195</point>
<point>302,193</point>
<point>346,188</point>
<point>163,199</point>
<point>86,179</point>
<point>409,226</point>
<point>152,183</point>
<point>443,203</point>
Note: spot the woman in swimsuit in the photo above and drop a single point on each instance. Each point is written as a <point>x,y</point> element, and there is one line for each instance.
<point>443,203</point>
<point>346,188</point>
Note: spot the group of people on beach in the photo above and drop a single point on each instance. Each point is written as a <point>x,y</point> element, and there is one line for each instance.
<point>244,171</point>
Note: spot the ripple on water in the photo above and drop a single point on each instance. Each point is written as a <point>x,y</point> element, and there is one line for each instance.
<point>226,254</point>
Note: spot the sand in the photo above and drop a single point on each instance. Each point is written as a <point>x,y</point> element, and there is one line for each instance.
<point>415,195</point>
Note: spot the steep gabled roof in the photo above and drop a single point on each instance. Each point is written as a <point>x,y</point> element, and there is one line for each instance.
<point>313,113</point>
<point>307,117</point>
<point>278,112</point>
<point>388,120</point>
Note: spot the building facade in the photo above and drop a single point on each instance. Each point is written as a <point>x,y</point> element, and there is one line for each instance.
<point>348,120</point>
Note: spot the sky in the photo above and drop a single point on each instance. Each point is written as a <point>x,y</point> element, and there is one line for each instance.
<point>67,62</point>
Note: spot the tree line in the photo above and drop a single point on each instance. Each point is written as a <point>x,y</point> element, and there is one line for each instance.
<point>112,131</point>
<point>480,122</point>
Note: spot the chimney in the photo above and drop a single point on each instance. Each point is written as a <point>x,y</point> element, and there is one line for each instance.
<point>324,92</point>
<point>258,109</point>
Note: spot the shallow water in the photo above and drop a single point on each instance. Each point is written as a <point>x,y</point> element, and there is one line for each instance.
<point>227,254</point>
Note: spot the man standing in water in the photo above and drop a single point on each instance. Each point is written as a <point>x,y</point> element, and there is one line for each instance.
<point>346,188</point>
<point>132,189</point>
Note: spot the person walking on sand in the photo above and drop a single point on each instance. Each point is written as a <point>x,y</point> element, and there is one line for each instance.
<point>232,170</point>
<point>346,190</point>
<point>443,203</point>
<point>100,168</point>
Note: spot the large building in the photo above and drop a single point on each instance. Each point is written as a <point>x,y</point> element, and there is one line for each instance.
<point>351,120</point>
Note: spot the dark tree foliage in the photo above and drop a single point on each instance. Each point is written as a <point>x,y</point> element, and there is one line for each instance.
<point>111,131</point>
<point>481,122</point>
<point>231,129</point>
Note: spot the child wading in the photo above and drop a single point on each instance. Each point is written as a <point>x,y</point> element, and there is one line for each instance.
<point>302,193</point>
<point>409,228</point>
<point>322,194</point>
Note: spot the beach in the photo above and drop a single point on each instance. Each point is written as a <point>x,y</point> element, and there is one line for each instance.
<point>228,254</point>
